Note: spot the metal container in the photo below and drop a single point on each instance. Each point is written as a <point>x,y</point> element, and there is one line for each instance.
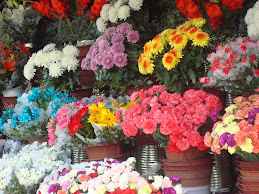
<point>78,155</point>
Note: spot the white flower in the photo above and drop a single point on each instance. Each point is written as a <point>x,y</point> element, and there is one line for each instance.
<point>104,12</point>
<point>130,161</point>
<point>29,71</point>
<point>70,50</point>
<point>119,3</point>
<point>55,55</point>
<point>55,70</point>
<point>101,24</point>
<point>178,188</point>
<point>113,15</point>
<point>136,4</point>
<point>111,187</point>
<point>69,63</point>
<point>18,15</point>
<point>124,12</point>
<point>157,182</point>
<point>49,47</point>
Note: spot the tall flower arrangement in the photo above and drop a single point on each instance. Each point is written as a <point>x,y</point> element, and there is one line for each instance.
<point>237,132</point>
<point>108,176</point>
<point>29,117</point>
<point>171,119</point>
<point>234,66</point>
<point>175,57</point>
<point>55,68</point>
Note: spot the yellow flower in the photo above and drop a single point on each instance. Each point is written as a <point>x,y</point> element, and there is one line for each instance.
<point>200,39</point>
<point>129,105</point>
<point>247,146</point>
<point>198,22</point>
<point>74,172</point>
<point>220,129</point>
<point>169,61</point>
<point>74,188</point>
<point>101,189</point>
<point>188,23</point>
<point>116,104</point>
<point>157,47</point>
<point>108,118</point>
<point>167,33</point>
<point>147,49</point>
<point>96,109</point>
<point>132,185</point>
<point>232,128</point>
<point>231,108</point>
<point>180,41</point>
<point>146,67</point>
<point>177,53</point>
<point>145,190</point>
<point>93,119</point>
<point>232,150</point>
<point>192,32</point>
<point>229,119</point>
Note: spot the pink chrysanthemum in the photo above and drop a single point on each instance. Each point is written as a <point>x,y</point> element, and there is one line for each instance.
<point>120,59</point>
<point>99,58</point>
<point>107,62</point>
<point>117,47</point>
<point>52,137</point>
<point>133,36</point>
<point>103,45</point>
<point>93,65</point>
<point>117,38</point>
<point>124,27</point>
<point>110,31</point>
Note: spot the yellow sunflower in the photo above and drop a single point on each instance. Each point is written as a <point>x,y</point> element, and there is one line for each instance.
<point>108,119</point>
<point>169,61</point>
<point>177,53</point>
<point>198,22</point>
<point>96,109</point>
<point>172,38</point>
<point>192,31</point>
<point>166,33</point>
<point>146,67</point>
<point>188,23</point>
<point>180,42</point>
<point>157,47</point>
<point>200,39</point>
<point>147,49</point>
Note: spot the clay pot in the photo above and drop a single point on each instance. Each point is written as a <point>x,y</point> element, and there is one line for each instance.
<point>249,178</point>
<point>250,173</point>
<point>249,187</point>
<point>121,158</point>
<point>242,181</point>
<point>105,151</point>
<point>30,141</point>
<point>8,102</point>
<point>190,154</point>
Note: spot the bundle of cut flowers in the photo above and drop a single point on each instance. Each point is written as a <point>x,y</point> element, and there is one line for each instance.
<point>238,131</point>
<point>171,119</point>
<point>108,176</point>
<point>91,123</point>
<point>55,68</point>
<point>113,57</point>
<point>21,172</point>
<point>29,117</point>
<point>175,57</point>
<point>234,66</point>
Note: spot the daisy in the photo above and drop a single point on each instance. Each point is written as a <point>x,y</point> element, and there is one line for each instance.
<point>201,39</point>
<point>146,67</point>
<point>169,61</point>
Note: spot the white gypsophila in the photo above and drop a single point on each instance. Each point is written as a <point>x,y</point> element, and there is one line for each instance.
<point>101,24</point>
<point>113,15</point>
<point>136,4</point>
<point>71,51</point>
<point>124,12</point>
<point>104,12</point>
<point>49,47</point>
<point>55,70</point>
<point>69,63</point>
<point>29,71</point>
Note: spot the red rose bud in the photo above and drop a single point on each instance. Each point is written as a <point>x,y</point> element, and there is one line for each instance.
<point>253,59</point>
<point>226,70</point>
<point>256,72</point>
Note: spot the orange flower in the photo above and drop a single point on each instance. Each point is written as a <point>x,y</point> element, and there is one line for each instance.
<point>233,5</point>
<point>8,65</point>
<point>23,48</point>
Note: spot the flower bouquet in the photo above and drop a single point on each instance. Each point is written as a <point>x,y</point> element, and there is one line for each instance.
<point>171,119</point>
<point>93,122</point>
<point>108,176</point>
<point>234,66</point>
<point>55,68</point>
<point>28,119</point>
<point>112,58</point>
<point>175,57</point>
<point>22,172</point>
<point>237,132</point>
<point>13,58</point>
<point>251,22</point>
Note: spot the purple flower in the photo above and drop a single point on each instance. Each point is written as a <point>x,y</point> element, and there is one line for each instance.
<point>66,184</point>
<point>117,47</point>
<point>223,138</point>
<point>214,115</point>
<point>52,188</point>
<point>169,190</point>
<point>252,113</point>
<point>65,172</point>
<point>120,59</point>
<point>116,161</point>
<point>80,172</point>
<point>133,36</point>
<point>231,141</point>
<point>98,58</point>
<point>251,120</point>
<point>103,45</point>
<point>110,31</point>
<point>175,179</point>
<point>124,27</point>
<point>117,38</point>
<point>96,165</point>
<point>107,62</point>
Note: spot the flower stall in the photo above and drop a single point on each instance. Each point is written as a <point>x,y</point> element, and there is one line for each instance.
<point>129,96</point>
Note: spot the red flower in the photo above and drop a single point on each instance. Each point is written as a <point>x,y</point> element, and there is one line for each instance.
<point>256,72</point>
<point>74,127</point>
<point>226,70</point>
<point>23,48</point>
<point>215,14</point>
<point>80,12</point>
<point>253,58</point>
<point>93,175</point>
<point>233,5</point>
<point>200,144</point>
<point>193,138</point>
<point>77,192</point>
<point>173,148</point>
<point>8,65</point>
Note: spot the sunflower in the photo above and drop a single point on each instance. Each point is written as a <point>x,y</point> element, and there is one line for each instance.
<point>172,38</point>
<point>198,22</point>
<point>192,31</point>
<point>147,48</point>
<point>108,119</point>
<point>146,67</point>
<point>157,47</point>
<point>200,39</point>
<point>177,53</point>
<point>180,42</point>
<point>96,109</point>
<point>167,32</point>
<point>169,61</point>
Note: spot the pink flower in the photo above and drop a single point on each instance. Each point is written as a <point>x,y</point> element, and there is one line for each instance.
<point>63,113</point>
<point>207,139</point>
<point>133,36</point>
<point>174,99</point>
<point>153,101</point>
<point>166,183</point>
<point>66,184</point>
<point>52,124</point>
<point>142,95</point>
<point>141,183</point>
<point>193,138</point>
<point>167,126</point>
<point>52,137</point>
<point>62,191</point>
<point>215,147</point>
<point>240,138</point>
<point>83,178</point>
<point>154,89</point>
<point>84,186</point>
<point>98,99</point>
<point>183,144</point>
<point>118,115</point>
<point>204,80</point>
<point>63,123</point>
<point>149,126</point>
<point>129,129</point>
<point>163,97</point>
<point>120,59</point>
<point>133,96</point>
<point>239,99</point>
<point>134,176</point>
<point>242,114</point>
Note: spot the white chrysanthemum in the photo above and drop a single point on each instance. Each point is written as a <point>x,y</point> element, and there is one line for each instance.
<point>37,59</point>
<point>136,4</point>
<point>101,25</point>
<point>69,63</point>
<point>70,50</point>
<point>252,31</point>
<point>251,20</point>
<point>124,12</point>
<point>104,12</point>
<point>113,15</point>
<point>55,55</point>
<point>29,71</point>
<point>119,3</point>
<point>49,47</point>
<point>55,70</point>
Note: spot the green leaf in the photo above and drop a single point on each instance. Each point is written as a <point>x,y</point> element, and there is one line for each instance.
<point>191,75</point>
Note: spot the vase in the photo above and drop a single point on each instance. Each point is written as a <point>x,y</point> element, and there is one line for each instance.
<point>9,97</point>
<point>148,159</point>
<point>86,77</point>
<point>78,155</point>
<point>101,151</point>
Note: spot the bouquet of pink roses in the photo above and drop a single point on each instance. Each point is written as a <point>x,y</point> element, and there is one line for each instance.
<point>171,119</point>
<point>238,131</point>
